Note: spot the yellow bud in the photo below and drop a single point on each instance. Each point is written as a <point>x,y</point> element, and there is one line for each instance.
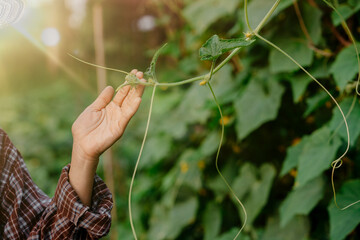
<point>202,83</point>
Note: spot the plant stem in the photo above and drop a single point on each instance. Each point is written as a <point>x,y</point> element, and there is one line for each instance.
<point>217,160</point>
<point>95,65</point>
<point>190,80</point>
<point>267,16</point>
<point>247,16</point>
<point>138,160</point>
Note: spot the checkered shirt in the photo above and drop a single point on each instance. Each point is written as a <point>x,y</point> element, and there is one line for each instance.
<point>27,213</point>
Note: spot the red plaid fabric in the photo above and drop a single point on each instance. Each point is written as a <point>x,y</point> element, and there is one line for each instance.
<point>27,213</point>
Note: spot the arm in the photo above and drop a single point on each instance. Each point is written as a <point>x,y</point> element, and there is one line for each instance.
<point>96,129</point>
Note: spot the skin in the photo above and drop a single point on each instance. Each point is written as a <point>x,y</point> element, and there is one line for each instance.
<point>96,129</point>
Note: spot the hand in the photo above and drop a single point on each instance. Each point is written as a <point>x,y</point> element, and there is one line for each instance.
<point>103,122</point>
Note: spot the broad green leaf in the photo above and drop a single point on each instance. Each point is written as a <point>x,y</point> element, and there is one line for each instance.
<point>226,87</point>
<point>298,86</point>
<point>315,102</point>
<point>212,221</point>
<point>346,11</point>
<point>297,49</point>
<point>292,156</point>
<point>312,20</point>
<point>168,223</point>
<point>202,13</point>
<point>190,173</point>
<point>297,229</point>
<point>318,153</point>
<point>214,47</point>
<point>190,110</point>
<point>252,187</point>
<point>210,144</point>
<point>342,222</point>
<point>257,10</point>
<point>231,234</point>
<point>259,103</point>
<point>217,184</point>
<point>185,172</point>
<point>301,200</point>
<point>156,148</point>
<point>337,121</point>
<point>345,66</point>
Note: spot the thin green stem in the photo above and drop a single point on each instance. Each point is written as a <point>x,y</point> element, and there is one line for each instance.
<point>267,16</point>
<point>190,80</point>
<point>217,160</point>
<point>138,160</point>
<point>247,16</point>
<point>98,66</point>
<point>194,79</point>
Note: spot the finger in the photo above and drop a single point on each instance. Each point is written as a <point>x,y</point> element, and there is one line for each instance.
<point>139,75</point>
<point>103,99</point>
<point>121,95</point>
<point>129,112</point>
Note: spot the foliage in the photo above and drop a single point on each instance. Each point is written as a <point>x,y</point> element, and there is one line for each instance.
<point>281,130</point>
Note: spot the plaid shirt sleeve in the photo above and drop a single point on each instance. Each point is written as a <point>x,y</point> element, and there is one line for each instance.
<point>27,213</point>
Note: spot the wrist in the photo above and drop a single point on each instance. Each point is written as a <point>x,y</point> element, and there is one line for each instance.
<point>79,154</point>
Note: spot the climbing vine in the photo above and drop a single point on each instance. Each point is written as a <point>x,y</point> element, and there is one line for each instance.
<point>252,100</point>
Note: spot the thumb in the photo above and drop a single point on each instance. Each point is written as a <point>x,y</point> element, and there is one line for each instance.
<point>103,99</point>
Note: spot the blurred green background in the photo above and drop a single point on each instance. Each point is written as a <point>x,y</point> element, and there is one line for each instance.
<point>281,129</point>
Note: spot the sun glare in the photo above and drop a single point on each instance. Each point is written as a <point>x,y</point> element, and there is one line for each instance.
<point>50,37</point>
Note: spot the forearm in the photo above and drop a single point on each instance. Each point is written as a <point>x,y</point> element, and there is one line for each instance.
<point>81,175</point>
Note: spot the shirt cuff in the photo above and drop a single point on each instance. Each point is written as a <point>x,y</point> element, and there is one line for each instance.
<point>97,219</point>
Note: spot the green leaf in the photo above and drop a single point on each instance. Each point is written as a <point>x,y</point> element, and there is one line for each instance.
<point>225,85</point>
<point>202,13</point>
<point>353,120</point>
<point>168,223</point>
<point>346,11</point>
<point>298,85</point>
<point>212,221</point>
<point>190,110</point>
<point>292,156</point>
<point>257,105</point>
<point>231,234</point>
<point>214,47</point>
<point>312,20</point>
<point>296,49</point>
<point>252,187</point>
<point>156,148</point>
<point>342,222</point>
<point>257,10</point>
<point>301,200</point>
<point>192,176</point>
<point>317,155</point>
<point>345,66</point>
<point>217,184</point>
<point>315,102</point>
<point>297,229</point>
<point>210,144</point>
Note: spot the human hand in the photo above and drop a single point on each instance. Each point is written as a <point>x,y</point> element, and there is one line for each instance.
<point>103,122</point>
